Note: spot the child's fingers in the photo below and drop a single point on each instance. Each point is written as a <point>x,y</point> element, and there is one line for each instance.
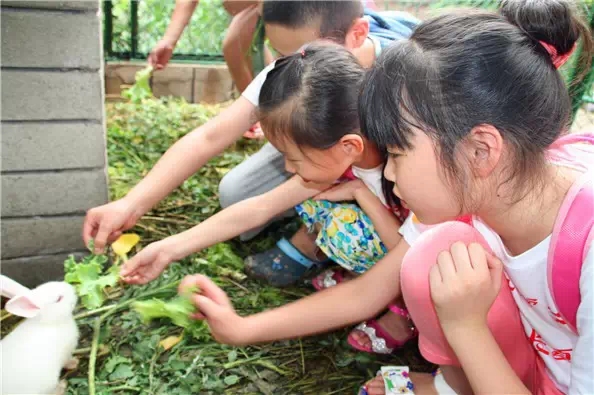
<point>129,268</point>
<point>114,236</point>
<point>135,280</point>
<point>461,258</point>
<point>207,288</point>
<point>478,258</point>
<point>102,236</point>
<point>89,228</point>
<point>496,268</point>
<point>445,264</point>
<point>186,283</point>
<point>198,316</point>
<point>435,278</point>
<point>206,307</point>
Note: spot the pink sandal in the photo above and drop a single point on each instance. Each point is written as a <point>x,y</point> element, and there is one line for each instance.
<point>254,133</point>
<point>381,341</point>
<point>328,278</point>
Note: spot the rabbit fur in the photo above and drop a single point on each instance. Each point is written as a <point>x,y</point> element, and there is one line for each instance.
<point>36,351</point>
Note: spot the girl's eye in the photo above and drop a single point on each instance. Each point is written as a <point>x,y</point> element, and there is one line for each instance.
<point>393,155</point>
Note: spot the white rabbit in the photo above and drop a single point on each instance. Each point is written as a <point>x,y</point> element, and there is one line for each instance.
<point>36,351</point>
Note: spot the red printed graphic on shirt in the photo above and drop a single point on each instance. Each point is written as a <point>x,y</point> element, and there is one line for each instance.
<point>562,355</point>
<point>541,346</point>
<point>557,317</point>
<point>531,301</point>
<point>538,343</point>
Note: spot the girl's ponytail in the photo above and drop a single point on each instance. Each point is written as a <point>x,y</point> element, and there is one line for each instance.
<point>555,27</point>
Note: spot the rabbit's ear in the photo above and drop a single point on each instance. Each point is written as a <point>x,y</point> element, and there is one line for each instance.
<point>24,305</point>
<point>10,288</point>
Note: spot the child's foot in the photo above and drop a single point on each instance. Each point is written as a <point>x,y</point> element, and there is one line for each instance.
<point>331,277</point>
<point>375,386</point>
<point>424,383</point>
<point>384,335</point>
<point>286,263</point>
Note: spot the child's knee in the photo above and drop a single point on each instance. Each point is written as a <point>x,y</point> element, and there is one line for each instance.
<point>231,188</point>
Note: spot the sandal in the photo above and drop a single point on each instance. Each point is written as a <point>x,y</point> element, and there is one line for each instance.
<point>381,341</point>
<point>280,266</point>
<point>328,278</point>
<point>254,133</point>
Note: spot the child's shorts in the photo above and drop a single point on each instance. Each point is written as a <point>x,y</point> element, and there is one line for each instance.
<point>346,234</point>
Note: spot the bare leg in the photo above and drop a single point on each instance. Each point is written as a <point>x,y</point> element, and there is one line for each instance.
<point>236,46</point>
<point>305,242</point>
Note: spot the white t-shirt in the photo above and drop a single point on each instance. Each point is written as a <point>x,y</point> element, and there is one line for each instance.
<point>372,178</point>
<point>569,359</point>
<point>252,92</point>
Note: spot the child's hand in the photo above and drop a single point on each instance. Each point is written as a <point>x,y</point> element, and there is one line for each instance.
<point>104,224</point>
<point>160,55</point>
<point>464,285</point>
<point>214,306</point>
<point>148,264</point>
<point>341,192</point>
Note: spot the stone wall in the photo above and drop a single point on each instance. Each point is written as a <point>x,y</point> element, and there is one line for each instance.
<point>53,133</point>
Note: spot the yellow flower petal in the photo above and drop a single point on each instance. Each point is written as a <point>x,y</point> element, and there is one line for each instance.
<point>170,341</point>
<point>124,243</point>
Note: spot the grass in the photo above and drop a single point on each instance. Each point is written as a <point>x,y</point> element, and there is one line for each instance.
<point>122,355</point>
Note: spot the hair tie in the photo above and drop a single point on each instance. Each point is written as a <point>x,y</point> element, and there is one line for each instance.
<point>558,60</point>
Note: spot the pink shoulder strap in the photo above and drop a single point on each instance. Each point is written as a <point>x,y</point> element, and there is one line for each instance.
<point>348,174</point>
<point>572,235</point>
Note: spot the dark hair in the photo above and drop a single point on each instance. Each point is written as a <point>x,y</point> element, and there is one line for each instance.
<point>311,96</point>
<point>458,71</point>
<point>334,18</point>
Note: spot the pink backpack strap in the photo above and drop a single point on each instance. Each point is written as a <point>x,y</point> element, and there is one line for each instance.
<point>348,174</point>
<point>570,241</point>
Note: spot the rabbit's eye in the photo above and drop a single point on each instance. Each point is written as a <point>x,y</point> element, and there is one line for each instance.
<point>59,299</point>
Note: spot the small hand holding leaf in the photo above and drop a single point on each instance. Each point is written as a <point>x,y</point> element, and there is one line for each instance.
<point>213,305</point>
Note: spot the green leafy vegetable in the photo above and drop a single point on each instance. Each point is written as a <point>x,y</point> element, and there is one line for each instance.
<point>222,255</point>
<point>89,280</point>
<point>177,309</point>
<point>141,90</point>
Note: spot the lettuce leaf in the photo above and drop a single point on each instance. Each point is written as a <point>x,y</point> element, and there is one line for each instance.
<point>88,278</point>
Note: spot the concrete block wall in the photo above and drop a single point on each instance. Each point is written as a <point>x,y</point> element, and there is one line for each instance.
<point>197,83</point>
<point>53,133</point>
